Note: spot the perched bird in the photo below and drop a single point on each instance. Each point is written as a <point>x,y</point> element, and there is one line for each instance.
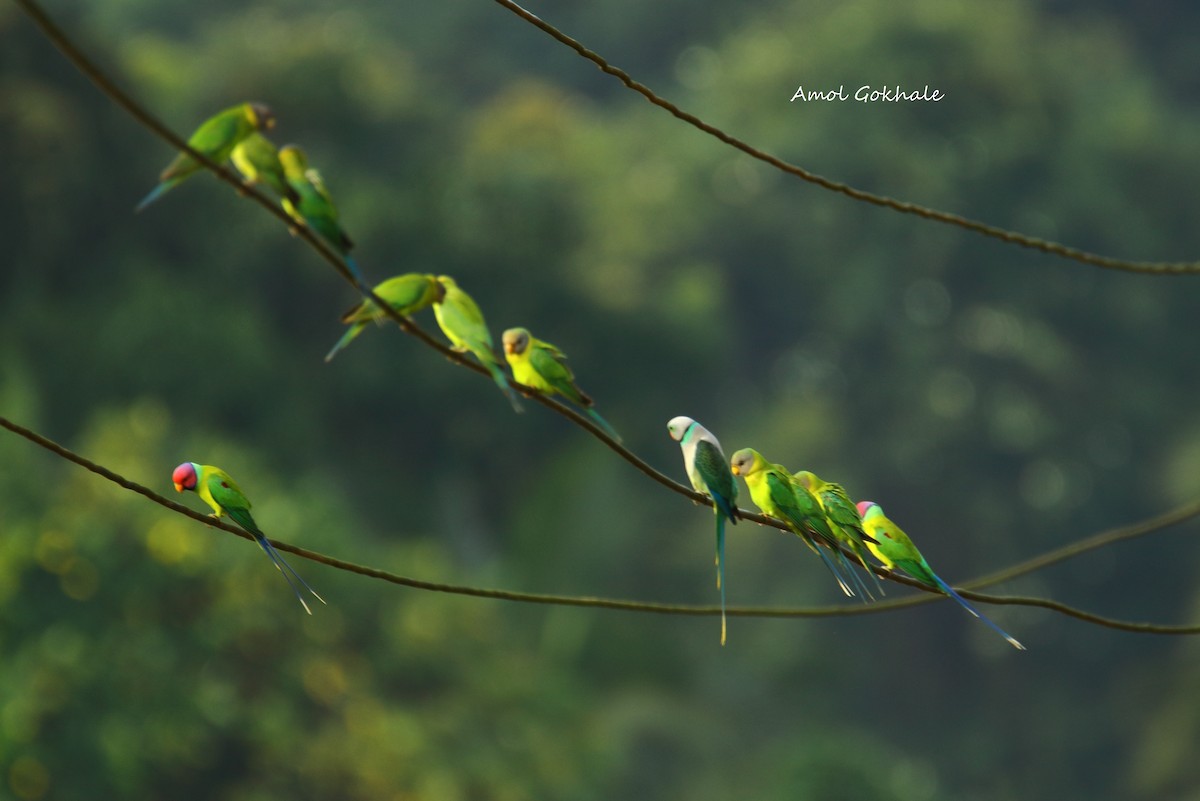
<point>257,159</point>
<point>218,490</point>
<point>315,207</point>
<point>215,138</point>
<point>462,323</point>
<point>894,548</point>
<point>538,364</point>
<point>406,294</point>
<point>844,519</point>
<point>776,494</point>
<point>709,473</point>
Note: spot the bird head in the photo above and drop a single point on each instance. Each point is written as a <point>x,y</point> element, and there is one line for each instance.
<point>745,462</point>
<point>185,476</point>
<point>439,289</point>
<point>868,507</point>
<point>264,118</point>
<point>805,479</point>
<point>678,426</point>
<point>516,340</point>
<point>293,160</point>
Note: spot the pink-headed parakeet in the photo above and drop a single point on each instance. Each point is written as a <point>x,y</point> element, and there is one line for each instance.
<point>218,490</point>
<point>215,138</point>
<point>538,364</point>
<point>406,294</point>
<point>894,548</point>
<point>462,322</point>
<point>709,473</point>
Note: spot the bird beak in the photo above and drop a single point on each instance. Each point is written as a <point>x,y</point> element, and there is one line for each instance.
<point>735,470</point>
<point>178,487</point>
<point>508,347</point>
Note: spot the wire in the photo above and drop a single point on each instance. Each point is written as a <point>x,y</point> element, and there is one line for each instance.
<point>588,601</point>
<point>995,232</point>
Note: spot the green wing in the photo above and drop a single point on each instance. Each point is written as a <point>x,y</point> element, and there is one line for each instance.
<point>546,360</point>
<point>231,498</point>
<point>714,469</point>
<point>463,322</point>
<point>839,508</point>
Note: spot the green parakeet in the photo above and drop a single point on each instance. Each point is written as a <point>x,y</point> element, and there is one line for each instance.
<point>709,473</point>
<point>257,159</point>
<point>776,494</point>
<point>894,548</point>
<point>844,519</point>
<point>407,294</point>
<point>215,138</point>
<point>463,324</point>
<point>538,364</point>
<point>218,490</point>
<point>315,208</point>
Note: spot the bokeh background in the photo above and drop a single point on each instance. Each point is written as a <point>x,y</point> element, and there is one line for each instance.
<point>997,402</point>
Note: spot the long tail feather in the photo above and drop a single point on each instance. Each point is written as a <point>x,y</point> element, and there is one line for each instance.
<point>355,271</point>
<point>280,563</point>
<point>600,421</point>
<point>864,594</point>
<point>946,588</point>
<point>502,382</point>
<point>154,195</point>
<point>346,339</point>
<point>721,568</point>
<point>832,569</point>
<point>863,560</point>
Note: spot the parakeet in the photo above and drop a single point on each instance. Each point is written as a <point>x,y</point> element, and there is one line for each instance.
<point>709,473</point>
<point>257,159</point>
<point>462,323</point>
<point>844,519</point>
<point>215,138</point>
<point>406,294</point>
<point>894,548</point>
<point>218,490</point>
<point>776,494</point>
<point>538,364</point>
<point>315,207</point>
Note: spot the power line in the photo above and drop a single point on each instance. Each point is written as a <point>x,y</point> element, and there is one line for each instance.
<point>612,603</point>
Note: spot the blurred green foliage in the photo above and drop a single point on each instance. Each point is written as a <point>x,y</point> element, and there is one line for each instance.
<point>997,402</point>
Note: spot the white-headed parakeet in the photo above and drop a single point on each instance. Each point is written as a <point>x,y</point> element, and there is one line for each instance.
<point>709,473</point>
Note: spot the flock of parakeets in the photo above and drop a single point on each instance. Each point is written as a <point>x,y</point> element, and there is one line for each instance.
<point>839,531</point>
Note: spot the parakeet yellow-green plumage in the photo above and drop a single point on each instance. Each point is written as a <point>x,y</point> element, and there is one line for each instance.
<point>257,159</point>
<point>777,495</point>
<point>215,138</point>
<point>538,364</point>
<point>406,294</point>
<point>315,207</point>
<point>844,520</point>
<point>462,322</point>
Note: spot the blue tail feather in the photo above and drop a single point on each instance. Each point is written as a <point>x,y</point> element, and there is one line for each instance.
<point>280,563</point>
<point>600,421</point>
<point>837,575</point>
<point>154,195</point>
<point>946,588</point>
<point>864,594</point>
<point>502,382</point>
<point>347,337</point>
<point>721,569</point>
